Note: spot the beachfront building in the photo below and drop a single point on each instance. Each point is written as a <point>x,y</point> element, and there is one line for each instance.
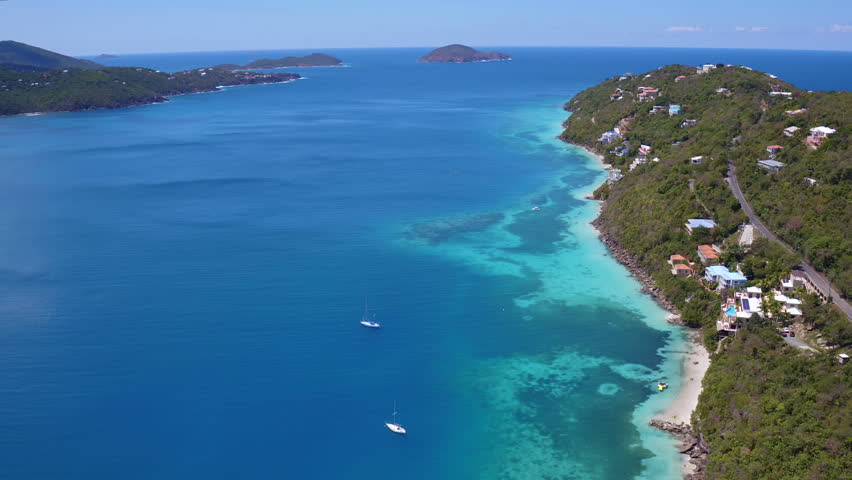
<point>610,136</point>
<point>818,135</point>
<point>724,277</point>
<point>773,166</point>
<point>674,110</point>
<point>707,254</point>
<point>694,223</point>
<point>790,131</point>
<point>614,176</point>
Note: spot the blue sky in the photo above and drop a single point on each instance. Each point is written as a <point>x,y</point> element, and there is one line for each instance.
<point>81,27</point>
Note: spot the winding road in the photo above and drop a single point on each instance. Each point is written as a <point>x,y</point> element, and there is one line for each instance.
<point>816,278</point>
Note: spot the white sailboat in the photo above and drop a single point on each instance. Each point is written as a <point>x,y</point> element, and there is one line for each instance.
<point>366,320</point>
<point>393,426</point>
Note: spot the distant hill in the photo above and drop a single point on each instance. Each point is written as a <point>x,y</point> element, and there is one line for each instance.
<point>462,54</point>
<point>106,55</point>
<point>312,60</point>
<point>27,58</point>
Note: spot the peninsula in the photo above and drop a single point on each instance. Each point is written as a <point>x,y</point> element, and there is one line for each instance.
<point>462,54</point>
<point>38,80</point>
<point>728,192</point>
<point>27,58</point>
<point>312,60</point>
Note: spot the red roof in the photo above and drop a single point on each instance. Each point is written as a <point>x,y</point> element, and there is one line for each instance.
<point>682,266</point>
<point>775,147</point>
<point>708,251</point>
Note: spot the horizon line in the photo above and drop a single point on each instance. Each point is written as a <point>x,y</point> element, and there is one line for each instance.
<point>633,47</point>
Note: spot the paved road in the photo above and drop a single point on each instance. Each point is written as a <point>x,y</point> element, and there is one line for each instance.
<point>795,342</point>
<point>821,283</point>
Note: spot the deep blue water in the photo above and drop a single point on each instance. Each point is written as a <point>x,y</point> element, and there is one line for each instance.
<point>180,284</point>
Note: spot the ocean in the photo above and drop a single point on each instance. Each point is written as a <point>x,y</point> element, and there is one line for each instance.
<point>181,284</point>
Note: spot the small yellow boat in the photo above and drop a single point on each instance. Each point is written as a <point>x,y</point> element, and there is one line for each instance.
<point>662,386</point>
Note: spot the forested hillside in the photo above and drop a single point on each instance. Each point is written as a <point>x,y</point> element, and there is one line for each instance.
<point>767,409</point>
<point>112,87</point>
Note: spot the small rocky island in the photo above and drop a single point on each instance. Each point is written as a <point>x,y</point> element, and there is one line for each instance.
<point>312,60</point>
<point>456,53</point>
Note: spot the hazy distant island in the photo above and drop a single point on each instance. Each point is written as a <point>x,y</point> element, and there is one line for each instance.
<point>312,60</point>
<point>37,80</point>
<point>462,54</point>
<point>106,55</point>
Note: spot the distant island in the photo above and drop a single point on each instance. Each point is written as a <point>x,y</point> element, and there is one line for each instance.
<point>106,55</point>
<point>27,58</point>
<point>462,54</point>
<point>37,80</point>
<point>312,60</point>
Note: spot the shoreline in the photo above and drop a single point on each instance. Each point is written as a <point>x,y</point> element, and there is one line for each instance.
<point>676,418</point>
<point>160,101</point>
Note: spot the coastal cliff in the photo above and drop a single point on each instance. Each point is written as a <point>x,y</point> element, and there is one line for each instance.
<point>462,54</point>
<point>669,136</point>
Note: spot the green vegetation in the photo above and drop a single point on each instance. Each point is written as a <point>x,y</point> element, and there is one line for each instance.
<point>770,412</point>
<point>26,58</point>
<point>312,60</point>
<point>767,410</point>
<point>112,87</point>
<point>457,53</point>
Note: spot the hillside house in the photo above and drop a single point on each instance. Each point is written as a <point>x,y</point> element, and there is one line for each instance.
<point>818,135</point>
<point>790,131</point>
<point>773,166</point>
<point>697,160</point>
<point>706,68</point>
<point>723,90</point>
<point>679,78</point>
<point>798,111</point>
<point>680,266</point>
<point>610,136</point>
<point>724,277</point>
<point>674,110</point>
<point>689,123</point>
<point>707,254</point>
<point>773,150</point>
<point>614,176</point>
<point>694,223</point>
<point>657,109</point>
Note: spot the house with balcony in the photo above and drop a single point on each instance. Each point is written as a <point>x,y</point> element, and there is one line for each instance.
<point>707,254</point>
<point>818,135</point>
<point>723,277</point>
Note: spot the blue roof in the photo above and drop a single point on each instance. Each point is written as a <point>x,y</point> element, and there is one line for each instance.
<point>700,222</point>
<point>717,270</point>
<point>734,276</point>
<point>771,163</point>
<point>674,108</point>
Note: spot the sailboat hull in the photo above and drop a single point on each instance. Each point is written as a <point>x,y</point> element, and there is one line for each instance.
<point>370,324</point>
<point>395,428</point>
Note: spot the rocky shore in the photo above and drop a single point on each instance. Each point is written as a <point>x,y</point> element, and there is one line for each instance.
<point>691,445</point>
<point>648,285</point>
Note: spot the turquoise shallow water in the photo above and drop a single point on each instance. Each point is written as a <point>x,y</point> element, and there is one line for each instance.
<point>180,284</point>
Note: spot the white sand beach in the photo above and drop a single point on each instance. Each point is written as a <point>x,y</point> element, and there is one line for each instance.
<point>695,364</point>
